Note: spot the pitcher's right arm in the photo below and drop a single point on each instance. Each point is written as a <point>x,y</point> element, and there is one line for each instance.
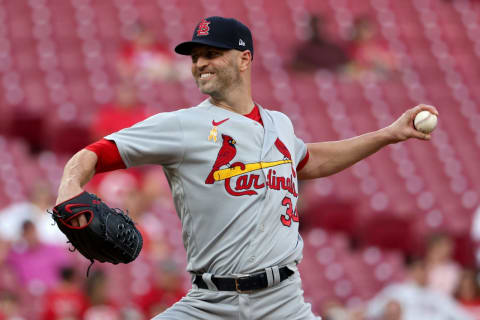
<point>77,173</point>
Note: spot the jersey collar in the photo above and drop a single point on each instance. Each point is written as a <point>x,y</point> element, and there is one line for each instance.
<point>271,132</point>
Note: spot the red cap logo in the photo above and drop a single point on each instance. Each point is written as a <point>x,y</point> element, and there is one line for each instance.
<point>203,28</point>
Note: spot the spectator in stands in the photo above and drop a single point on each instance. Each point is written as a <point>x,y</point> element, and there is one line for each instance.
<point>318,51</point>
<point>101,306</point>
<point>369,55</point>
<point>8,279</point>
<point>475,233</point>
<point>122,112</point>
<point>166,290</point>
<point>145,58</point>
<point>392,311</point>
<point>156,191</point>
<point>334,310</point>
<point>468,292</point>
<point>443,271</point>
<point>67,300</point>
<point>10,306</point>
<point>35,210</point>
<point>35,263</point>
<point>417,301</point>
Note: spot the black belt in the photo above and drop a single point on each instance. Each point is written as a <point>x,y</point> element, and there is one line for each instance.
<point>242,284</point>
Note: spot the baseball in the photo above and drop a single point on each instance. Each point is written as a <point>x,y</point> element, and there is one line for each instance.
<point>425,121</point>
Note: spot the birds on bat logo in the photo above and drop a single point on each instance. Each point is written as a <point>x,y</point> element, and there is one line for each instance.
<point>246,180</point>
<point>225,155</point>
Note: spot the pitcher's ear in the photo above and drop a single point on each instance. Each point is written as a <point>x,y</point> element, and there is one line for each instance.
<point>245,59</point>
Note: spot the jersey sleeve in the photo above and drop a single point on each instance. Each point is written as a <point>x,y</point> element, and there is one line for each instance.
<point>303,162</point>
<point>301,153</point>
<point>155,140</point>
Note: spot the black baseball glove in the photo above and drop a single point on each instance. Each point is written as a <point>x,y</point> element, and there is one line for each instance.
<point>110,235</point>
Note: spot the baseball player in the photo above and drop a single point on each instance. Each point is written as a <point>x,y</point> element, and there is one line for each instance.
<point>233,168</point>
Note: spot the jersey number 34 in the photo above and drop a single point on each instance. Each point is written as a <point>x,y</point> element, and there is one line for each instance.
<point>290,214</point>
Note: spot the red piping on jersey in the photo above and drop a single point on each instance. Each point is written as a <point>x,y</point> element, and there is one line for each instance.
<point>303,162</point>
<point>255,115</point>
<point>109,158</point>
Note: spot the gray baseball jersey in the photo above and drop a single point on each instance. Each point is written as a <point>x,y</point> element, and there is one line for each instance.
<point>233,182</point>
<point>234,185</point>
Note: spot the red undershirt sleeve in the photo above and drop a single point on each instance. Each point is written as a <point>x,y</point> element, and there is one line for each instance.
<point>109,158</point>
<point>303,162</point>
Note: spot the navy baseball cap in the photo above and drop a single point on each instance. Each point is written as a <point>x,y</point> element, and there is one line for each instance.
<point>219,32</point>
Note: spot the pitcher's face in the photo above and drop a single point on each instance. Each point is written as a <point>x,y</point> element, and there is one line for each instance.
<point>214,70</point>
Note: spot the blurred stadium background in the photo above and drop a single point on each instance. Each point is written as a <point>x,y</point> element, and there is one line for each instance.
<point>74,70</point>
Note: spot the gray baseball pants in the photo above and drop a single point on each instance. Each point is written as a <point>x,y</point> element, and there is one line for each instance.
<point>283,301</point>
